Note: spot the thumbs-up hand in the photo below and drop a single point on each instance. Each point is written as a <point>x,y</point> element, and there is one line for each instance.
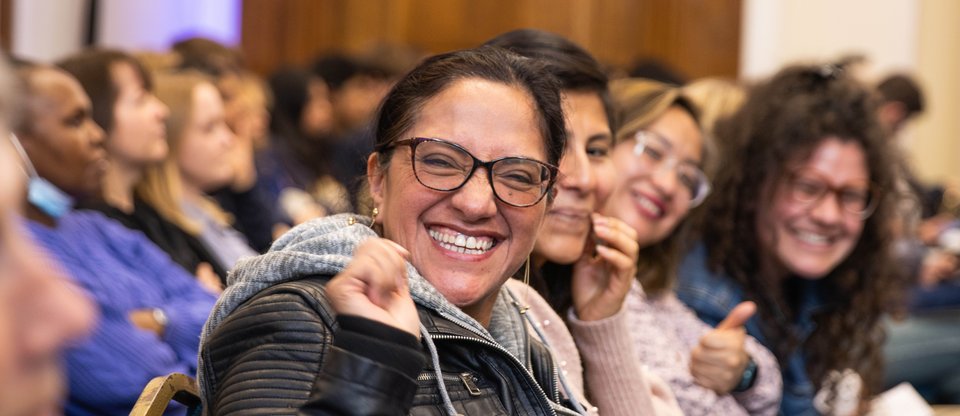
<point>719,360</point>
<point>374,286</point>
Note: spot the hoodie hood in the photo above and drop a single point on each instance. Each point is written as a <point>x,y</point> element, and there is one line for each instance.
<point>325,246</point>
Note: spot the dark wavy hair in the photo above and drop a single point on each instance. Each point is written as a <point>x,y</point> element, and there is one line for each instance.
<point>402,105</point>
<point>573,66</point>
<point>783,121</point>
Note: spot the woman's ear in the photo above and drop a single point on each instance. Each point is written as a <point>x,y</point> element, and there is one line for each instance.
<point>375,177</point>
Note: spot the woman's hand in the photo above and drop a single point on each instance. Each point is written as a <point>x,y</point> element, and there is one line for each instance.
<point>374,286</point>
<point>208,278</point>
<point>937,266</point>
<point>604,273</point>
<point>145,319</point>
<point>718,362</point>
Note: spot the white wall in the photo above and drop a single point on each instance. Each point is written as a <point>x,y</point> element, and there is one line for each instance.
<point>154,25</point>
<point>47,30</point>
<point>915,36</point>
<point>779,32</point>
<point>936,143</point>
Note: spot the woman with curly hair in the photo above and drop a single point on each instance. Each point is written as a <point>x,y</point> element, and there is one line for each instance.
<point>799,224</point>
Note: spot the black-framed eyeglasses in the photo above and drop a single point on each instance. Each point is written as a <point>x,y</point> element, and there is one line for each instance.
<point>444,166</point>
<point>809,189</point>
<point>657,152</point>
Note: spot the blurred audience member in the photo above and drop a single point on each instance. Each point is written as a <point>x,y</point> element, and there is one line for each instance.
<point>208,56</point>
<point>799,223</point>
<point>247,100</point>
<point>151,309</point>
<point>659,158</point>
<point>124,105</point>
<point>41,312</point>
<point>901,100</point>
<point>297,167</point>
<point>357,84</point>
<point>356,88</point>
<point>922,347</point>
<point>199,161</point>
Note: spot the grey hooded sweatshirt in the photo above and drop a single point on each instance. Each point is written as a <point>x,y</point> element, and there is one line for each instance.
<point>324,247</point>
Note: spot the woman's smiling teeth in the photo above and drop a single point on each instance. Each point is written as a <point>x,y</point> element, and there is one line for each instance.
<point>461,243</point>
<point>812,238</point>
<point>648,205</point>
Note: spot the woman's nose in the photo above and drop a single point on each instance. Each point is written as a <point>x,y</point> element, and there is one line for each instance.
<point>827,209</point>
<point>476,199</point>
<point>575,173</point>
<point>665,178</point>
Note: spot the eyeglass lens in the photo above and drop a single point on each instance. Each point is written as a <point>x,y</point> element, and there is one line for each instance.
<point>810,190</point>
<point>445,167</point>
<point>658,152</point>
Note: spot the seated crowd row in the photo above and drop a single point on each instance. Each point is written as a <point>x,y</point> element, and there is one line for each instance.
<point>540,240</point>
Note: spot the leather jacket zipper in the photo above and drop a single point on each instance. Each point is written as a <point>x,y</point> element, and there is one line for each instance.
<point>499,348</point>
<point>468,380</point>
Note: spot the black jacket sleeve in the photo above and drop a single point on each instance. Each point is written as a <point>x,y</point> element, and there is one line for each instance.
<point>373,364</point>
<point>276,354</point>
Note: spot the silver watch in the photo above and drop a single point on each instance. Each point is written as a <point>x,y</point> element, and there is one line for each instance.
<point>161,317</point>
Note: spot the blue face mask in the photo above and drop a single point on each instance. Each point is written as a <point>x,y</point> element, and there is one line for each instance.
<point>48,198</point>
<point>44,195</point>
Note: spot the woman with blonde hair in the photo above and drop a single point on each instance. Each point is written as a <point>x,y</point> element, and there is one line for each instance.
<point>716,99</point>
<point>659,157</point>
<point>199,161</point>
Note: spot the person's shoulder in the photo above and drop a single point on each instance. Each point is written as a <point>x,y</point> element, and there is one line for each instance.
<point>89,222</point>
<point>92,224</point>
<point>299,305</point>
<point>308,291</point>
<point>694,270</point>
<point>527,297</point>
<point>702,289</point>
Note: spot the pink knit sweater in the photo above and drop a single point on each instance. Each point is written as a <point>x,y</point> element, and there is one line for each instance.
<point>664,331</point>
<point>616,382</point>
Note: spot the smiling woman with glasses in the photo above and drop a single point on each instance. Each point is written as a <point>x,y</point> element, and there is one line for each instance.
<point>660,181</point>
<point>800,223</point>
<point>809,188</point>
<point>405,312</point>
<point>657,152</point>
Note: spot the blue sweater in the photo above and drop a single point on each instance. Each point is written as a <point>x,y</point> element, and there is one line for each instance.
<point>123,271</point>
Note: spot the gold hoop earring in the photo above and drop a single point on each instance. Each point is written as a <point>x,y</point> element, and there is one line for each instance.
<point>526,272</point>
<point>523,308</point>
<point>373,214</point>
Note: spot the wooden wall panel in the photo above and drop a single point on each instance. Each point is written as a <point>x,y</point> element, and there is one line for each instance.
<point>6,10</point>
<point>698,37</point>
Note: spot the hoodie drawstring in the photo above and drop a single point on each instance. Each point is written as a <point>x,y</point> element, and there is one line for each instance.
<point>447,404</point>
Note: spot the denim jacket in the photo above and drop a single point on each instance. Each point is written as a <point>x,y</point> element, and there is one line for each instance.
<point>714,295</point>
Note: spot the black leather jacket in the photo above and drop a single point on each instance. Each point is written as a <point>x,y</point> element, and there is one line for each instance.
<point>276,348</point>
